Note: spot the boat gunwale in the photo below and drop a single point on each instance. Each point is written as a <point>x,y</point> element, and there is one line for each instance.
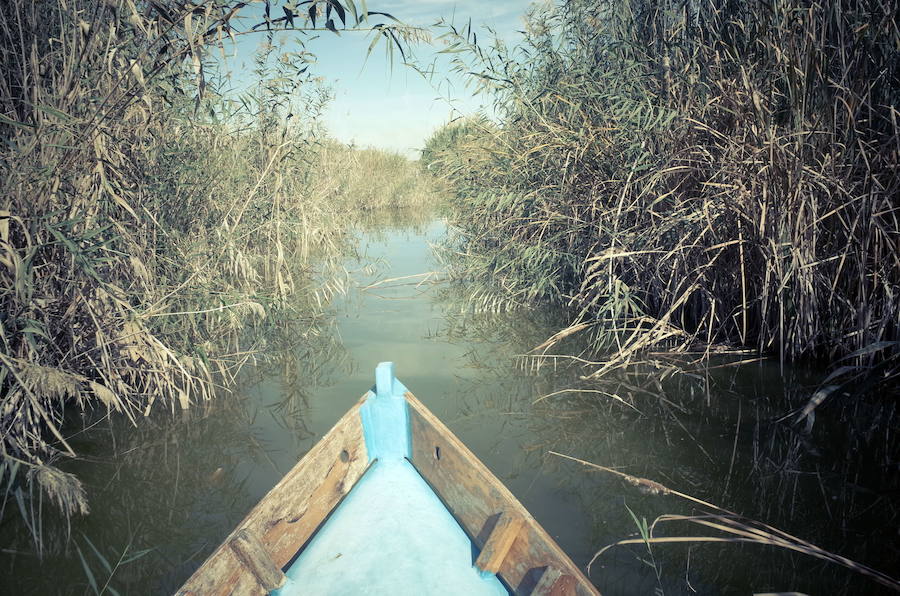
<point>532,537</point>
<point>558,572</point>
<point>205,581</point>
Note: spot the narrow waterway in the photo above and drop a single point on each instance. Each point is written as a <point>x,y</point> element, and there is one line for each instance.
<point>165,493</point>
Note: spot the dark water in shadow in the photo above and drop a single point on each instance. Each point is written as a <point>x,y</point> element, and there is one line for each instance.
<point>170,490</point>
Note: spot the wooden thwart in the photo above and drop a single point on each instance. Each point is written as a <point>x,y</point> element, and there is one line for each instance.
<point>254,557</point>
<point>499,542</point>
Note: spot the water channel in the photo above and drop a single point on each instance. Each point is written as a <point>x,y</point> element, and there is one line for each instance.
<point>165,493</point>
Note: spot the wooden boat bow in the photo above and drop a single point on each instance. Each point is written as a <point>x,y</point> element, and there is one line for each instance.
<point>273,550</point>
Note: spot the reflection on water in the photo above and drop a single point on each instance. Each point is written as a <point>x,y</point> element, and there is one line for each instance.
<point>175,485</point>
<point>178,486</point>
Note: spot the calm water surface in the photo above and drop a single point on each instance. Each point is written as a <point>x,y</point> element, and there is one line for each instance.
<point>164,494</point>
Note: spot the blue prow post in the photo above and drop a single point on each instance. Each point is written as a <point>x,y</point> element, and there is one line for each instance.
<point>385,418</point>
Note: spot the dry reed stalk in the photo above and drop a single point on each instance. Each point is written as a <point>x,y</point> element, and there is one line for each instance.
<point>737,528</point>
<point>739,195</point>
<point>150,232</point>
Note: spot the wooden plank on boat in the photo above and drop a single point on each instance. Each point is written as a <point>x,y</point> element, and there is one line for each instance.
<point>474,496</point>
<point>554,583</point>
<point>499,542</point>
<point>254,557</point>
<point>290,513</point>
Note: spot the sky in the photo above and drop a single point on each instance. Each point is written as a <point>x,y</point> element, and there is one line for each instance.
<point>395,108</point>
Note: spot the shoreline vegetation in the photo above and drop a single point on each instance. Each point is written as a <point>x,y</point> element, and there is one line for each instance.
<point>699,185</point>
<point>690,178</point>
<point>154,227</point>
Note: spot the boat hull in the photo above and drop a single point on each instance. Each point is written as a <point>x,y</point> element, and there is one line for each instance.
<point>388,426</point>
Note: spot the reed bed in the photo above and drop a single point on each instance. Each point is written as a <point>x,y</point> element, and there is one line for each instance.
<point>695,183</point>
<point>684,175</point>
<point>152,226</point>
<point>376,179</point>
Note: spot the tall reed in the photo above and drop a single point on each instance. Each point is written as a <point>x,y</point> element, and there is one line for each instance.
<point>373,179</point>
<point>694,174</point>
<point>149,223</point>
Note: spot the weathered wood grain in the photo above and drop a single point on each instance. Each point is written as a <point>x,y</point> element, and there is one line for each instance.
<point>253,556</point>
<point>565,585</point>
<point>554,583</point>
<point>500,540</point>
<point>548,579</point>
<point>474,496</point>
<point>286,518</point>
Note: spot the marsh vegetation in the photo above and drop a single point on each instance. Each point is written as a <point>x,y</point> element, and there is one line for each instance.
<point>696,184</point>
<point>678,237</point>
<point>157,228</point>
<point>703,173</point>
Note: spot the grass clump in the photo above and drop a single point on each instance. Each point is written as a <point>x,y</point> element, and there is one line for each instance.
<point>693,174</point>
